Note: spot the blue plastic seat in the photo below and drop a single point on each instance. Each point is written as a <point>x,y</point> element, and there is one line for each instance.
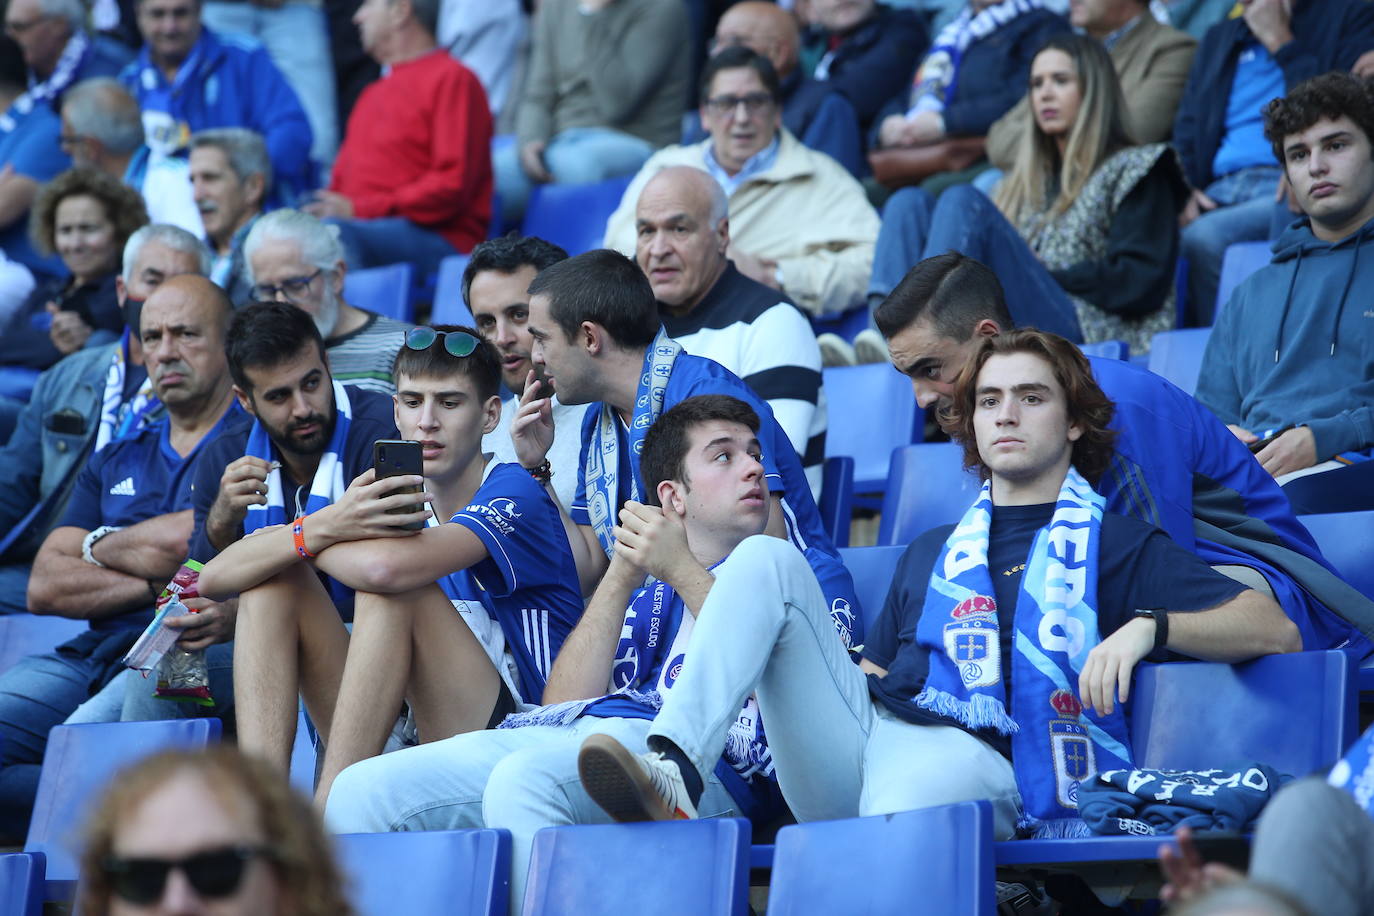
<point>1240,261</point>
<point>1346,540</point>
<point>872,569</point>
<point>692,867</point>
<point>1109,349</point>
<point>927,487</point>
<point>22,635</point>
<point>21,883</point>
<point>837,498</point>
<point>79,761</point>
<point>384,290</point>
<point>882,866</point>
<point>1177,355</point>
<point>872,412</point>
<point>449,307</point>
<point>1295,712</point>
<point>433,871</point>
<point>573,215</point>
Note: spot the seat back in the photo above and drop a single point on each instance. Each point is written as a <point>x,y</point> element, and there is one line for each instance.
<point>872,411</point>
<point>837,498</point>
<point>1346,540</point>
<point>22,635</point>
<point>1177,355</point>
<point>449,307</point>
<point>872,569</point>
<point>1108,349</point>
<point>77,765</point>
<point>697,867</point>
<point>1295,712</point>
<point>1240,261</point>
<point>881,866</point>
<point>573,215</point>
<point>21,883</point>
<point>433,871</point>
<point>927,486</point>
<point>384,290</point>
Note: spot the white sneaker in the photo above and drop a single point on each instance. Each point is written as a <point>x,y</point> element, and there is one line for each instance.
<point>835,350</point>
<point>869,347</point>
<point>633,787</point>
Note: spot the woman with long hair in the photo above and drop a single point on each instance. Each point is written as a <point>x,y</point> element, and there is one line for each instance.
<point>1082,233</point>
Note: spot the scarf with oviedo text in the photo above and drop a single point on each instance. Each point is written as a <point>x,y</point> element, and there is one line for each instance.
<point>603,457</point>
<point>328,484</point>
<point>1055,747</point>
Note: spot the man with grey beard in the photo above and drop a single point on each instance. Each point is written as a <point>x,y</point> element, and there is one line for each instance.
<point>293,257</point>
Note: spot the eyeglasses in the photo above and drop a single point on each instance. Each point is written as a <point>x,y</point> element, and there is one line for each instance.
<point>753,103</point>
<point>213,873</point>
<point>291,288</point>
<point>457,343</point>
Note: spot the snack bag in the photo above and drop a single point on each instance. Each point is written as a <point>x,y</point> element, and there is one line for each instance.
<point>182,674</point>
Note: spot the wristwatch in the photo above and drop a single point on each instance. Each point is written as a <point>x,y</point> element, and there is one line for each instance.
<point>88,542</point>
<point>1161,619</point>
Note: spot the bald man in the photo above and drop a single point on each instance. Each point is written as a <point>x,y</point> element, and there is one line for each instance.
<point>682,231</point>
<point>123,536</point>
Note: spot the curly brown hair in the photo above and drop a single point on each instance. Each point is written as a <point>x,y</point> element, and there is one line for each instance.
<point>1088,407</point>
<point>1331,95</point>
<point>301,854</point>
<point>123,206</point>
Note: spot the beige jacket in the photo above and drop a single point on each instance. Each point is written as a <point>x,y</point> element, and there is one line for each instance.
<point>806,212</point>
<point>1152,62</point>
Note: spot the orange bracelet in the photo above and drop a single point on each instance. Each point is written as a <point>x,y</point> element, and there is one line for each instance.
<point>298,533</point>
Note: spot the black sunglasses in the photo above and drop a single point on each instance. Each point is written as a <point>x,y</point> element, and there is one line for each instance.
<point>213,873</point>
<point>457,343</point>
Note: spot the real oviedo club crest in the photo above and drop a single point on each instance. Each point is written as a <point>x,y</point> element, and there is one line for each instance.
<point>971,642</point>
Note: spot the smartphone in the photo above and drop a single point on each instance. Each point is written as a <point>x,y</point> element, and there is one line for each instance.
<point>1258,445</point>
<point>397,458</point>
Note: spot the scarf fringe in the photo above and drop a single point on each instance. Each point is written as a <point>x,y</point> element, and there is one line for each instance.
<point>565,713</point>
<point>979,712</point>
<point>1060,828</point>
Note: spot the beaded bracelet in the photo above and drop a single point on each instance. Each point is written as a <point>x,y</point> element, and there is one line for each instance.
<point>298,533</point>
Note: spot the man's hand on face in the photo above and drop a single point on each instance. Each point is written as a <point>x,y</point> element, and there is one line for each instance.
<point>213,622</point>
<point>531,429</point>
<point>655,540</point>
<point>1106,675</point>
<point>1269,22</point>
<point>362,511</point>
<point>1292,451</point>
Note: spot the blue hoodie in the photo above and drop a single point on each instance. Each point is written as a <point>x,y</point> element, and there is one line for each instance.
<point>1295,344</point>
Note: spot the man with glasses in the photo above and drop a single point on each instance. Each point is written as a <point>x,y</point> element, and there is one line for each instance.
<point>799,222</point>
<point>293,257</point>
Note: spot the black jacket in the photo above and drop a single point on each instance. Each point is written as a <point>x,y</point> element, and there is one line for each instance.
<point>875,60</point>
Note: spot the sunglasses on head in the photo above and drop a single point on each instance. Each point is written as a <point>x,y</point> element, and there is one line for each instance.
<point>457,343</point>
<point>213,873</point>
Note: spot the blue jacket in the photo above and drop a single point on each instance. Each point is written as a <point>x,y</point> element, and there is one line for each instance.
<point>1179,468</point>
<point>1295,344</point>
<point>873,61</point>
<point>1327,35</point>
<point>234,84</point>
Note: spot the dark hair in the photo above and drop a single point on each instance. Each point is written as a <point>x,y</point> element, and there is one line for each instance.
<point>733,58</point>
<point>951,291</point>
<point>603,287</point>
<point>667,441</point>
<point>508,254</point>
<point>482,365</point>
<point>268,334</point>
<point>1331,95</point>
<point>123,207</point>
<point>1087,405</point>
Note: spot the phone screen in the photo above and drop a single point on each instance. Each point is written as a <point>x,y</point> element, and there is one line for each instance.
<point>397,458</point>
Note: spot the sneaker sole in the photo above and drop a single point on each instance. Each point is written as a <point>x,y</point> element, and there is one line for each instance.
<point>615,780</point>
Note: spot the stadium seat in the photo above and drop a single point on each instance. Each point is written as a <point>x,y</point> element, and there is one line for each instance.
<point>384,290</point>
<point>1346,539</point>
<point>872,569</point>
<point>573,215</point>
<point>22,635</point>
<point>927,486</point>
<point>1109,349</point>
<point>1240,261</point>
<point>79,760</point>
<point>879,866</point>
<point>837,498</point>
<point>1177,355</point>
<point>697,867</point>
<point>449,307</point>
<point>21,883</point>
<point>1295,712</point>
<point>846,324</point>
<point>431,871</point>
<point>872,412</point>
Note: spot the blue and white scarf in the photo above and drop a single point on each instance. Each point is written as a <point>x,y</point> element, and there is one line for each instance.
<point>1054,746</point>
<point>119,418</point>
<point>165,133</point>
<point>603,458</point>
<point>329,483</point>
<point>939,71</point>
<point>1355,771</point>
<point>62,76</point>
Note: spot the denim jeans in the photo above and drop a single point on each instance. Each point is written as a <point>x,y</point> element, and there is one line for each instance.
<point>765,628</point>
<point>578,155</point>
<point>128,697</point>
<point>389,240</point>
<point>520,779</point>
<point>296,37</point>
<point>916,226</point>
<point>1245,213</point>
<point>14,587</point>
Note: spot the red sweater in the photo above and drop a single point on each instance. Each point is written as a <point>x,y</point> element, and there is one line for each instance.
<point>418,145</point>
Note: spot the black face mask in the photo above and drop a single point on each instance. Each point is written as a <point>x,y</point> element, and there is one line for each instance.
<point>133,313</point>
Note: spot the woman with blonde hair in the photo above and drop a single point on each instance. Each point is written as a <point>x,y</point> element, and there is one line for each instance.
<point>1082,233</point>
<point>207,831</point>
